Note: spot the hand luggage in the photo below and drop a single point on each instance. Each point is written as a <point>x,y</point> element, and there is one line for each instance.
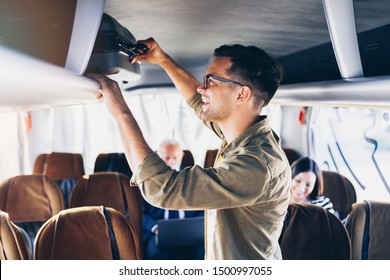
<point>114,47</point>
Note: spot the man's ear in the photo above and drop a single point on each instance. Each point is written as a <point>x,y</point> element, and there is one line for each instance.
<point>244,95</point>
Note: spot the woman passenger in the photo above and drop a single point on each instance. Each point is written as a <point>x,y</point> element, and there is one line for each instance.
<point>307,184</point>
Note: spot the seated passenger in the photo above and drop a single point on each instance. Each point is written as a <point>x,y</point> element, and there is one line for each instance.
<point>307,184</point>
<point>172,154</point>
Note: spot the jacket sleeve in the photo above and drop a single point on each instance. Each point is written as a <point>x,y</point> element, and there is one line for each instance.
<point>238,181</point>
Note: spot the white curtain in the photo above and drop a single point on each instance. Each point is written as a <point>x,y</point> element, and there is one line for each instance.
<point>14,152</point>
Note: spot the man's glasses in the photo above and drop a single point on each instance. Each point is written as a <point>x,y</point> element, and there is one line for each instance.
<point>208,78</point>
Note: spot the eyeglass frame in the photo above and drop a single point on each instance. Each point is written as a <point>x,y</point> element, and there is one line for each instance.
<point>208,77</point>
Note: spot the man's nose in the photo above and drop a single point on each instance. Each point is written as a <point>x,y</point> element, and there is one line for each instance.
<point>200,89</point>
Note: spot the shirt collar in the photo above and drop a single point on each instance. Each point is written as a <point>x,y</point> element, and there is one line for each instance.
<point>261,126</point>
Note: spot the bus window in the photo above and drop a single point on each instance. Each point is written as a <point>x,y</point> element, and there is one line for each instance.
<point>355,143</point>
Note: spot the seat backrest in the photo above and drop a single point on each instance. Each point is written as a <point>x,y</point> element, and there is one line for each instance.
<point>188,159</point>
<point>312,233</point>
<point>110,189</point>
<point>64,168</point>
<point>87,233</point>
<point>39,163</point>
<point>292,155</point>
<point>340,191</point>
<point>368,227</point>
<point>14,245</point>
<point>114,162</point>
<point>30,200</point>
<point>209,160</point>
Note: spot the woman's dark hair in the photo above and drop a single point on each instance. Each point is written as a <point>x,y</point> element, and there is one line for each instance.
<point>306,164</point>
<point>254,67</point>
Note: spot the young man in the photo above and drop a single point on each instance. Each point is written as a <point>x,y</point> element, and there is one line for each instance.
<point>246,194</point>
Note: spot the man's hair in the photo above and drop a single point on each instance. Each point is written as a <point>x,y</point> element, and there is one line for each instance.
<point>255,68</point>
<point>169,141</point>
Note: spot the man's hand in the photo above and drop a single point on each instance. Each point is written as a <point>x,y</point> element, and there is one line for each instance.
<point>154,54</point>
<point>184,81</point>
<point>111,94</point>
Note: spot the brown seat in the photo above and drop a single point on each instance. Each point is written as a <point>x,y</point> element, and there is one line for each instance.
<point>210,158</point>
<point>39,163</point>
<point>30,200</point>
<point>110,189</point>
<point>312,233</point>
<point>60,165</point>
<point>368,227</point>
<point>64,168</point>
<point>87,233</point>
<point>188,159</point>
<point>340,191</point>
<point>113,162</point>
<point>13,242</point>
<point>292,155</point>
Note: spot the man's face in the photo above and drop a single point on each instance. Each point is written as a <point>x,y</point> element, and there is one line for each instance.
<point>172,155</point>
<point>219,98</point>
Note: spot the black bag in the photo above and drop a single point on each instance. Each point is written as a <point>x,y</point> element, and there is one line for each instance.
<point>114,47</point>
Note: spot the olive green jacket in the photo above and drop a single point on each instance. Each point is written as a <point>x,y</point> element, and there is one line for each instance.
<point>245,195</point>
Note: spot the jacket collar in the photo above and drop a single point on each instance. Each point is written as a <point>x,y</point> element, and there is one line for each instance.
<point>260,127</point>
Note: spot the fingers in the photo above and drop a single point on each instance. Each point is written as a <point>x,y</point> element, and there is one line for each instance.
<point>100,96</point>
<point>98,78</point>
<point>151,55</point>
<point>150,42</point>
<point>106,84</point>
<point>139,57</point>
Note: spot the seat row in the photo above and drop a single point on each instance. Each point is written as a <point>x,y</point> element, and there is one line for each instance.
<point>82,233</point>
<point>98,232</point>
<point>30,200</point>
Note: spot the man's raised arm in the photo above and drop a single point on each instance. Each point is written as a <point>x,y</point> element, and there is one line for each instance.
<point>184,81</point>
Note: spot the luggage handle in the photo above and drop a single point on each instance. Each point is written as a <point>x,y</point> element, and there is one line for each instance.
<point>135,50</point>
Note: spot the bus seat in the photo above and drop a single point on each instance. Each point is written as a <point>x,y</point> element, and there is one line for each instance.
<point>59,165</point>
<point>210,158</point>
<point>39,163</point>
<point>30,200</point>
<point>64,168</point>
<point>114,162</point>
<point>87,233</point>
<point>292,155</point>
<point>110,189</point>
<point>368,227</point>
<point>312,233</point>
<point>14,241</point>
<point>340,191</point>
<point>188,159</point>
